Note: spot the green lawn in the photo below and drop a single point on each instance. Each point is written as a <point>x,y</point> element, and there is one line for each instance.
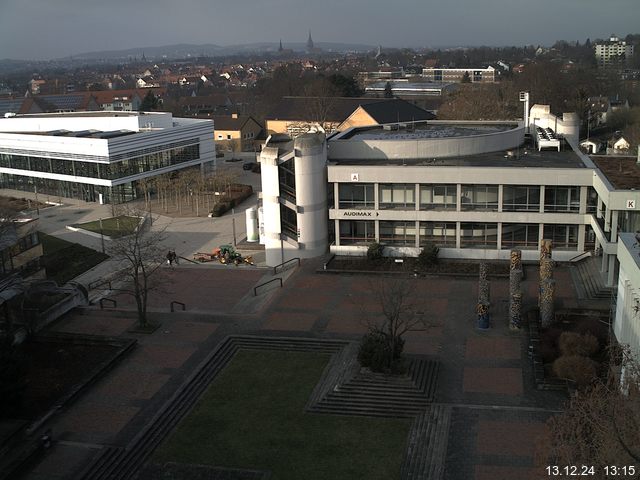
<point>113,227</point>
<point>65,260</point>
<point>252,417</point>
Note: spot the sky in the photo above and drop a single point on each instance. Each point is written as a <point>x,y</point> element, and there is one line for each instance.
<point>47,29</point>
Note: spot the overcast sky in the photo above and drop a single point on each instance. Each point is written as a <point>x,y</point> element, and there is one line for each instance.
<point>45,29</point>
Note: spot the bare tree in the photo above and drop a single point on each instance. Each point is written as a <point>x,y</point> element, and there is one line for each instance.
<point>141,254</point>
<point>600,426</point>
<point>403,310</point>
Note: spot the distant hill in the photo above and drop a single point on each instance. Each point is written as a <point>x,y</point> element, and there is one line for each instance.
<point>211,50</point>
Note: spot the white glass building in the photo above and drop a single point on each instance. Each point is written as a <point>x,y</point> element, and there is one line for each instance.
<point>99,156</point>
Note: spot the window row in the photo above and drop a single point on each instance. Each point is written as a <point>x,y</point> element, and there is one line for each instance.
<point>515,198</point>
<point>443,234</point>
<point>107,171</point>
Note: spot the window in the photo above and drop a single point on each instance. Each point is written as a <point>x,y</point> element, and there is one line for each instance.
<point>356,195</point>
<point>401,196</point>
<point>564,237</point>
<point>398,233</point>
<point>520,235</point>
<point>479,235</point>
<point>520,198</point>
<point>561,199</point>
<point>357,232</point>
<point>287,177</point>
<point>592,200</point>
<point>289,222</point>
<point>479,197</point>
<point>438,197</point>
<point>219,137</point>
<point>228,137</point>
<point>441,234</point>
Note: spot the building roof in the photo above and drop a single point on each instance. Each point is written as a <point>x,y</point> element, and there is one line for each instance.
<point>396,110</point>
<point>622,172</point>
<point>228,122</point>
<point>340,108</point>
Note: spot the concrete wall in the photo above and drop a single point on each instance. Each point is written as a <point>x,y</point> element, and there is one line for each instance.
<point>626,325</point>
<point>400,148</point>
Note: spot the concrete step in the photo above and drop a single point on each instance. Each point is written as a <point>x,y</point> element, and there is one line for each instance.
<point>427,445</point>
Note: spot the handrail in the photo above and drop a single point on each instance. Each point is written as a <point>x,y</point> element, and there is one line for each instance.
<point>189,260</point>
<point>275,269</point>
<point>255,289</point>
<point>575,259</point>
<point>115,304</point>
<point>175,302</point>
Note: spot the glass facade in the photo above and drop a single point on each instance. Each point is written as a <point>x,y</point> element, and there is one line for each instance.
<point>398,233</point>
<point>398,195</point>
<point>61,189</point>
<point>479,235</point>
<point>441,234</point>
<point>520,235</point>
<point>438,197</point>
<point>520,198</point>
<point>479,197</point>
<point>561,199</point>
<point>357,232</point>
<point>115,170</point>
<point>289,222</point>
<point>287,180</point>
<point>564,237</point>
<point>356,195</point>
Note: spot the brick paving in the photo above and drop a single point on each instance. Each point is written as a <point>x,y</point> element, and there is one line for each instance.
<point>499,381</point>
<point>477,369</point>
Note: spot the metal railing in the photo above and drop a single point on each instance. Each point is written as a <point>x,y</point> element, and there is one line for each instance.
<point>255,289</point>
<point>275,269</point>
<point>580,256</point>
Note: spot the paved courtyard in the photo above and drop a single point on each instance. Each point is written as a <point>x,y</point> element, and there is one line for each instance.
<point>485,376</point>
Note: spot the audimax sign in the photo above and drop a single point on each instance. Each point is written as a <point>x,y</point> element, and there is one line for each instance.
<point>360,214</point>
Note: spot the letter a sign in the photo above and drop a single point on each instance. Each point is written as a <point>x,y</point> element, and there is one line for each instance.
<point>355,177</point>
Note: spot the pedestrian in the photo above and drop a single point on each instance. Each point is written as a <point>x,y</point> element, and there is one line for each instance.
<point>175,257</point>
<point>169,258</point>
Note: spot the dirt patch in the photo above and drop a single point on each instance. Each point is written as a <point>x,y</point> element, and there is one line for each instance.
<point>19,204</point>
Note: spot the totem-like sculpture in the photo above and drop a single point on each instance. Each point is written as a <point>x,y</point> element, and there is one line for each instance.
<point>482,309</point>
<point>547,284</point>
<point>515,291</point>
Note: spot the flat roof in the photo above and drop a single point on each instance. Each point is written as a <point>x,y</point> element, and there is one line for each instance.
<point>425,130</point>
<point>622,172</point>
<point>531,159</point>
<point>631,243</point>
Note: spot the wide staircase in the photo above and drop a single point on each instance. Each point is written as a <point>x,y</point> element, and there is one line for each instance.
<point>589,281</point>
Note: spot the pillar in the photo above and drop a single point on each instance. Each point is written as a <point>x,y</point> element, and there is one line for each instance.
<point>515,290</point>
<point>547,290</point>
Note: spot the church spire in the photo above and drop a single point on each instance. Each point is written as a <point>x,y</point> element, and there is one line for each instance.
<point>280,48</point>
<point>309,42</point>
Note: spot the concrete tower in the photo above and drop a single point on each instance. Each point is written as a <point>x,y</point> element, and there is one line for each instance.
<point>294,197</point>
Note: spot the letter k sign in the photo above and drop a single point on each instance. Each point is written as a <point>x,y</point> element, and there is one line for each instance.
<point>631,204</point>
